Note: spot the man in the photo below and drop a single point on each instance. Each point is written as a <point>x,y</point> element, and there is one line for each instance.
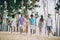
<point>49,24</point>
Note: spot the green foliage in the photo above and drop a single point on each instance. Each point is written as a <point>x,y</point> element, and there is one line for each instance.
<point>36,0</point>
<point>57,6</point>
<point>24,12</point>
<point>36,15</point>
<point>11,5</point>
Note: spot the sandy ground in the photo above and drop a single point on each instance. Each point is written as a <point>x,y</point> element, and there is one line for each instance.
<point>18,36</point>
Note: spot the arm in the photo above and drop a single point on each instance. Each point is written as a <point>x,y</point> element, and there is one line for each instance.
<point>46,23</point>
<point>52,22</point>
<point>18,21</point>
<point>24,20</point>
<point>43,21</point>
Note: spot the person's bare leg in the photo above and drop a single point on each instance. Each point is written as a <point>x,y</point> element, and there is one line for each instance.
<point>21,30</point>
<point>41,30</point>
<point>49,33</point>
<point>26,29</point>
<point>14,28</point>
<point>31,31</point>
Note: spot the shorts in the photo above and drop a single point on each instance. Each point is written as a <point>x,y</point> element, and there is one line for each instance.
<point>14,24</point>
<point>21,26</point>
<point>49,28</point>
<point>40,26</point>
<point>32,26</point>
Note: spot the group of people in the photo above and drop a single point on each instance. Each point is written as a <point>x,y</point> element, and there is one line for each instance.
<point>24,23</point>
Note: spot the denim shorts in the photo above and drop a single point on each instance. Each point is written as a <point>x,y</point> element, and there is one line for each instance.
<point>49,28</point>
<point>40,25</point>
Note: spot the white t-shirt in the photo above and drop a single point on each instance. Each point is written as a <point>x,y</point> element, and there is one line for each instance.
<point>49,20</point>
<point>14,22</point>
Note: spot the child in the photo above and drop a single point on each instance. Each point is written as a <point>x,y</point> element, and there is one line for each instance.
<point>21,23</point>
<point>49,24</point>
<point>32,23</point>
<point>27,23</point>
<point>14,23</point>
<point>40,23</point>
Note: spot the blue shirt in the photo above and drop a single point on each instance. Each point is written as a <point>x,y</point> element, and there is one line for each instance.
<point>32,21</point>
<point>21,20</point>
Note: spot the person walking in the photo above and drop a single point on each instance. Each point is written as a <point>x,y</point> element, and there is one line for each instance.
<point>40,24</point>
<point>32,23</point>
<point>49,24</point>
<point>27,23</point>
<point>14,23</point>
<point>21,23</point>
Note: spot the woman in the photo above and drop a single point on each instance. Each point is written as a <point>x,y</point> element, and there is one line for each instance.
<point>27,23</point>
<point>14,23</point>
<point>40,24</point>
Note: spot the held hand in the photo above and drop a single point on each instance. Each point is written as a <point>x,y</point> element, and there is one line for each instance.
<point>52,25</point>
<point>46,25</point>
